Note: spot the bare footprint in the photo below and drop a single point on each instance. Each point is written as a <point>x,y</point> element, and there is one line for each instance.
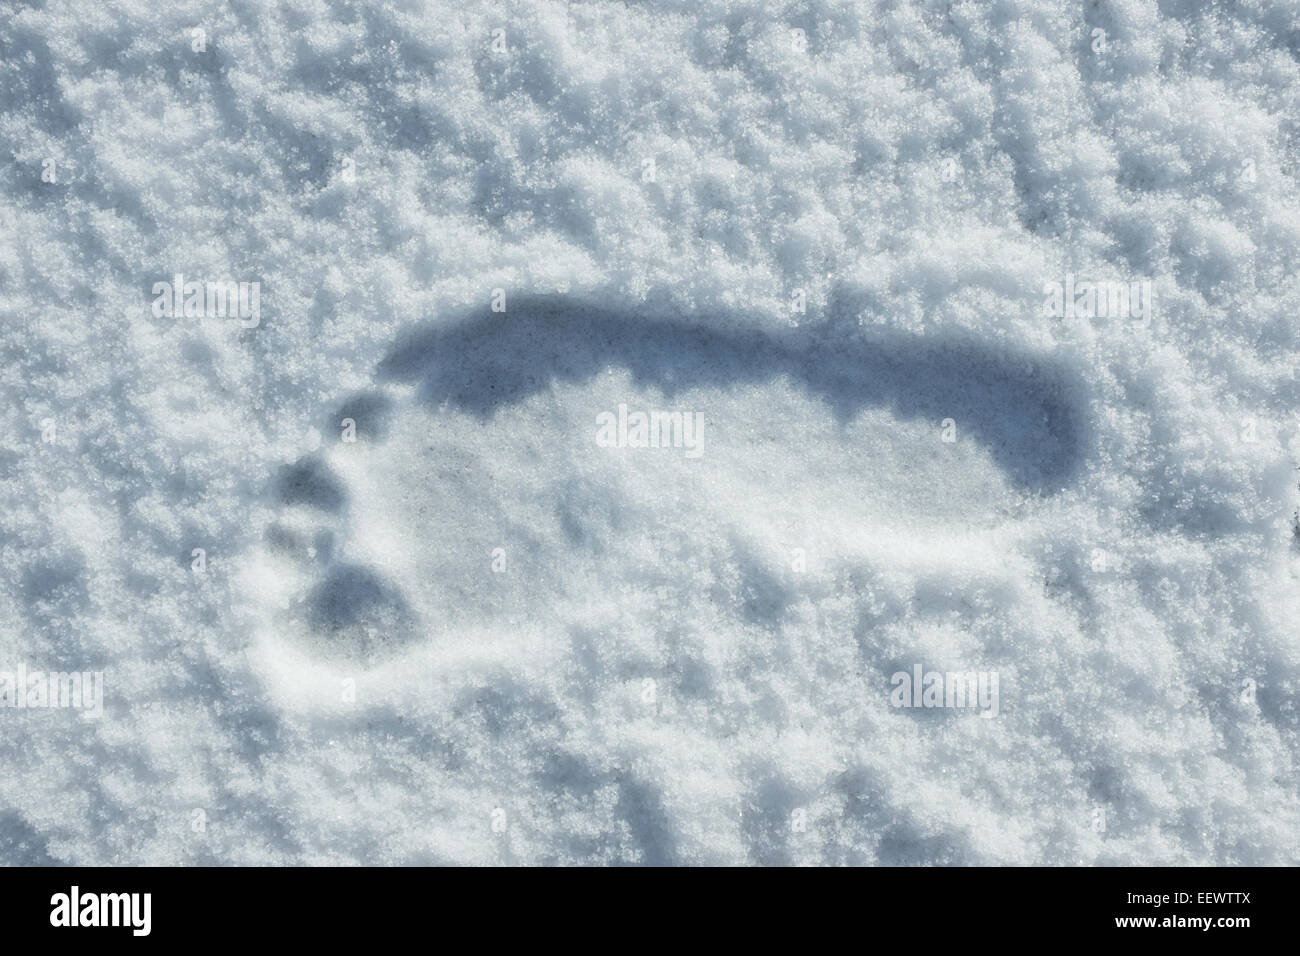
<point>473,492</point>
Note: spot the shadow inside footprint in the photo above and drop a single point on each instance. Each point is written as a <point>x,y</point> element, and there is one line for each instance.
<point>1020,410</point>
<point>358,615</point>
<point>309,481</point>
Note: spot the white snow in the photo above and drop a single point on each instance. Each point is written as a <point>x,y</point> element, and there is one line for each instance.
<point>477,635</point>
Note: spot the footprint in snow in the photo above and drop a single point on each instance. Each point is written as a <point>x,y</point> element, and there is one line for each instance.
<point>503,472</point>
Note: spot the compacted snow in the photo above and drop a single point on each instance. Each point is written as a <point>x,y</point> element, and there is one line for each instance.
<point>634,421</point>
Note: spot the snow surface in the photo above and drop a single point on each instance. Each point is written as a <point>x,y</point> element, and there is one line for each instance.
<point>670,658</point>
